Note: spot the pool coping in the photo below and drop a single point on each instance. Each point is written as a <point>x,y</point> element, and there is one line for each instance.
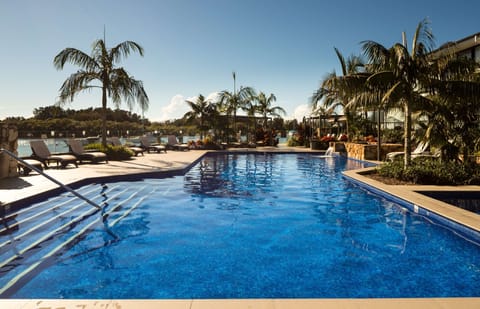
<point>405,193</point>
<point>410,196</point>
<point>390,303</point>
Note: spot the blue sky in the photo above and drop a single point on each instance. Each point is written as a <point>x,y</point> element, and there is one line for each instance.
<point>193,46</point>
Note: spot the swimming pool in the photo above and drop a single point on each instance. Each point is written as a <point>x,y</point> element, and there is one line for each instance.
<point>468,200</point>
<point>251,226</point>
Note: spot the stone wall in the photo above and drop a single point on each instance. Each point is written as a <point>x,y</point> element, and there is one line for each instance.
<point>8,141</point>
<point>369,151</point>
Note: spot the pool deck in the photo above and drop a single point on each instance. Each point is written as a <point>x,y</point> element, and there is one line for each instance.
<point>23,187</point>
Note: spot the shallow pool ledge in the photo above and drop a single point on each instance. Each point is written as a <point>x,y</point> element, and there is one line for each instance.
<point>390,303</point>
<point>420,203</point>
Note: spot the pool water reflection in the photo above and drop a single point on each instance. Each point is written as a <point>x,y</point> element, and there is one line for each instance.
<point>261,226</point>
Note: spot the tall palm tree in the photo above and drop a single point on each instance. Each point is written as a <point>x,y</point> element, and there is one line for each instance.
<point>332,90</point>
<point>453,125</point>
<point>407,73</point>
<point>265,108</point>
<point>236,100</point>
<point>201,109</point>
<point>99,71</point>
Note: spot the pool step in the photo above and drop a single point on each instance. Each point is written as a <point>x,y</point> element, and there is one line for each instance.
<point>30,237</point>
<point>39,216</point>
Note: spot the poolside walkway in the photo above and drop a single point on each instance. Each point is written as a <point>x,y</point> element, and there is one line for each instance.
<point>410,303</point>
<point>23,187</point>
<point>14,189</point>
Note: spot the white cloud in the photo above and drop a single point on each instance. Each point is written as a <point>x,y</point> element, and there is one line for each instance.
<point>175,109</point>
<point>213,97</point>
<point>303,110</point>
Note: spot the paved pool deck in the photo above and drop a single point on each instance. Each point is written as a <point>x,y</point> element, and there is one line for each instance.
<point>23,187</point>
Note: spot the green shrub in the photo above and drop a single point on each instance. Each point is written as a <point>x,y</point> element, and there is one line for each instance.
<point>432,171</point>
<point>114,153</point>
<point>295,140</point>
<point>392,136</point>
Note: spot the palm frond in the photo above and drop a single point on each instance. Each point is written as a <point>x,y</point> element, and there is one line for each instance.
<point>127,87</point>
<point>341,59</point>
<point>76,57</point>
<point>76,83</point>
<point>457,90</point>
<point>423,40</point>
<point>381,80</point>
<point>124,49</point>
<point>376,53</point>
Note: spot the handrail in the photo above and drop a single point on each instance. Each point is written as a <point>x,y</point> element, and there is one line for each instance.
<point>11,154</point>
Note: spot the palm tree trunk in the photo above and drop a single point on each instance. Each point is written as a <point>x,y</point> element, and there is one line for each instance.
<point>408,135</point>
<point>104,117</point>
<point>379,137</point>
<point>234,122</point>
<point>347,115</point>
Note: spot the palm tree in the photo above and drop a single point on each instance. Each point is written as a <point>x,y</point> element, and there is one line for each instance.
<point>406,73</point>
<point>99,71</point>
<point>202,109</point>
<point>265,108</point>
<point>367,97</point>
<point>234,101</point>
<point>332,90</point>
<point>453,120</point>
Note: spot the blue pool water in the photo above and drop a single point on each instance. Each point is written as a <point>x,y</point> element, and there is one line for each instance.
<point>468,200</point>
<point>258,226</point>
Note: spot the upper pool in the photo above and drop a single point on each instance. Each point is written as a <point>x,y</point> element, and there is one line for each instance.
<point>243,226</point>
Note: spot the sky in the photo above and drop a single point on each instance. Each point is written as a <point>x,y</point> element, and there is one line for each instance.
<point>284,47</point>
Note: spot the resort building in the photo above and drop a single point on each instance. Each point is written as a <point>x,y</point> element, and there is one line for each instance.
<point>468,47</point>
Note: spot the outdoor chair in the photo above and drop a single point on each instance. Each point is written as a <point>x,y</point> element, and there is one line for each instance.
<point>421,150</point>
<point>173,143</point>
<point>25,169</point>
<point>41,153</point>
<point>116,142</point>
<point>93,156</point>
<point>145,144</point>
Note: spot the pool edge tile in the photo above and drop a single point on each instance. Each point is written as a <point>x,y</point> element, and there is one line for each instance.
<point>331,303</point>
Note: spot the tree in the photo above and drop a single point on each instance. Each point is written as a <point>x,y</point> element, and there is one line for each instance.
<point>453,119</point>
<point>406,73</point>
<point>99,71</point>
<point>265,108</point>
<point>200,108</point>
<point>234,101</point>
<point>332,90</point>
<point>49,112</point>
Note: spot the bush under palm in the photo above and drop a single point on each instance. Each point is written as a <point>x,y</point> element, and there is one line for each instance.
<point>428,171</point>
<point>114,153</point>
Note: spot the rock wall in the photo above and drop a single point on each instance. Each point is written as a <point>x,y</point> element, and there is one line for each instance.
<point>8,141</point>
<point>369,151</point>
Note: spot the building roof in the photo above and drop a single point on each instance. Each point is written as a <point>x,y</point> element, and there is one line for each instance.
<point>455,47</point>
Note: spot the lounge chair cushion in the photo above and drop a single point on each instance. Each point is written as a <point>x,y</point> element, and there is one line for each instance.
<point>76,148</point>
<point>145,143</point>
<point>42,153</point>
<point>173,143</point>
<point>25,169</point>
